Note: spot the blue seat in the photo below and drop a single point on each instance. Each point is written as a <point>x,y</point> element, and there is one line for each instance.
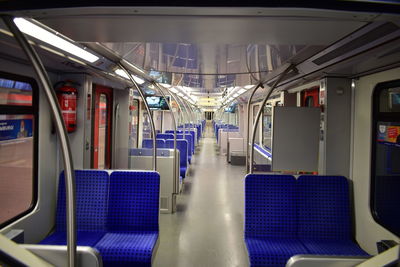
<point>190,144</point>
<point>148,143</point>
<point>325,217</point>
<point>132,220</point>
<point>182,146</point>
<point>271,219</point>
<point>91,208</point>
<point>172,131</point>
<point>165,136</point>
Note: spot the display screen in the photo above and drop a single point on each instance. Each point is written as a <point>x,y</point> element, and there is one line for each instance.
<point>157,102</point>
<point>394,101</point>
<point>231,109</point>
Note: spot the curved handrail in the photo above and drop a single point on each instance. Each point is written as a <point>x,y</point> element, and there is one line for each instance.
<point>61,132</point>
<point>174,124</point>
<point>153,129</point>
<point>248,124</point>
<point>278,80</point>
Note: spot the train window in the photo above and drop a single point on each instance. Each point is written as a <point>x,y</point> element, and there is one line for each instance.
<point>309,101</point>
<point>146,132</point>
<point>18,146</point>
<point>101,156</point>
<point>385,169</point>
<point>257,137</point>
<point>267,126</point>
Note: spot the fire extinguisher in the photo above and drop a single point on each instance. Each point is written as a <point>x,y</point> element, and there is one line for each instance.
<point>67,97</point>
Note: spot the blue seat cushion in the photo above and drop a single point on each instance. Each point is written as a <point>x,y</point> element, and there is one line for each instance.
<point>273,252</point>
<point>183,172</point>
<point>333,247</point>
<point>83,238</point>
<point>127,249</point>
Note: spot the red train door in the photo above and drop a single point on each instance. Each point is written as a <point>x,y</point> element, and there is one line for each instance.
<point>102,109</point>
<point>310,98</point>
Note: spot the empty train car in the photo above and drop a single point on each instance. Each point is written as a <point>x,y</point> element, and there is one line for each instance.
<point>200,134</point>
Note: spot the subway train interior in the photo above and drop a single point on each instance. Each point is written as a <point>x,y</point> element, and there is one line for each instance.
<point>256,134</point>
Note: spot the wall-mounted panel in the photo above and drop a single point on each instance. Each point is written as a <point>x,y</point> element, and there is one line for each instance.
<point>296,139</point>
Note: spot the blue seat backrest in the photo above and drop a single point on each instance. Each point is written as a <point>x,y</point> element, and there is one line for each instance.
<point>182,146</point>
<point>165,136</point>
<point>189,139</point>
<point>172,131</point>
<point>148,143</point>
<point>324,207</point>
<point>133,201</point>
<point>270,206</point>
<point>91,201</point>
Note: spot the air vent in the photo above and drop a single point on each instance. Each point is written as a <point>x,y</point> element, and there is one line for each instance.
<point>358,42</point>
<point>164,203</point>
<point>73,65</point>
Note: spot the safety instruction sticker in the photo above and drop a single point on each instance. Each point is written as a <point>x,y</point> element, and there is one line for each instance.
<point>389,134</point>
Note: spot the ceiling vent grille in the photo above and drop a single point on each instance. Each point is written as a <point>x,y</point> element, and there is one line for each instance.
<point>358,42</point>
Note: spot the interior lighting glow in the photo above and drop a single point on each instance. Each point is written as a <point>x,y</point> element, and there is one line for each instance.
<point>174,90</point>
<point>235,95</point>
<point>138,80</point>
<point>166,85</point>
<point>123,74</point>
<point>241,91</point>
<point>248,86</point>
<point>40,33</point>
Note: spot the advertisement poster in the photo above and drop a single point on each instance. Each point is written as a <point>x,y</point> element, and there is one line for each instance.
<point>390,134</point>
<point>13,129</point>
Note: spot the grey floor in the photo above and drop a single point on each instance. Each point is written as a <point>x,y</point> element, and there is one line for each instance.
<point>207,229</point>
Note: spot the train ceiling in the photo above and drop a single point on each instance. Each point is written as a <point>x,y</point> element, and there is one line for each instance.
<point>208,51</point>
<point>205,49</point>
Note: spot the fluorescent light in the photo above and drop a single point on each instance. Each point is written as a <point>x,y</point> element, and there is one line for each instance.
<point>248,86</point>
<point>122,73</point>
<point>174,90</point>
<point>137,79</point>
<point>235,95</point>
<point>180,94</point>
<point>241,91</point>
<point>54,40</point>
<point>166,85</point>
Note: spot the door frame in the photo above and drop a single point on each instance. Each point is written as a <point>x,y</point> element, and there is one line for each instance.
<point>97,91</point>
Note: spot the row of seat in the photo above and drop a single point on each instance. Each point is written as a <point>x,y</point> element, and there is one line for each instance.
<point>181,145</point>
<point>188,137</point>
<point>116,213</point>
<point>223,126</point>
<point>285,217</point>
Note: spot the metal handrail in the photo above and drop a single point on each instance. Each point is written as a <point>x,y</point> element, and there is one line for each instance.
<point>277,81</point>
<point>174,124</point>
<point>248,124</point>
<point>61,133</point>
<point>153,129</point>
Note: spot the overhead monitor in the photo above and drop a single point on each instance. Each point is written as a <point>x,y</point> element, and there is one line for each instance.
<point>157,102</point>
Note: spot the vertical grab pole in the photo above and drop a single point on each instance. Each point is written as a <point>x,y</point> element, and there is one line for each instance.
<point>248,125</point>
<point>61,132</point>
<point>190,114</point>
<point>278,80</point>
<point>174,123</point>
<point>153,129</point>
